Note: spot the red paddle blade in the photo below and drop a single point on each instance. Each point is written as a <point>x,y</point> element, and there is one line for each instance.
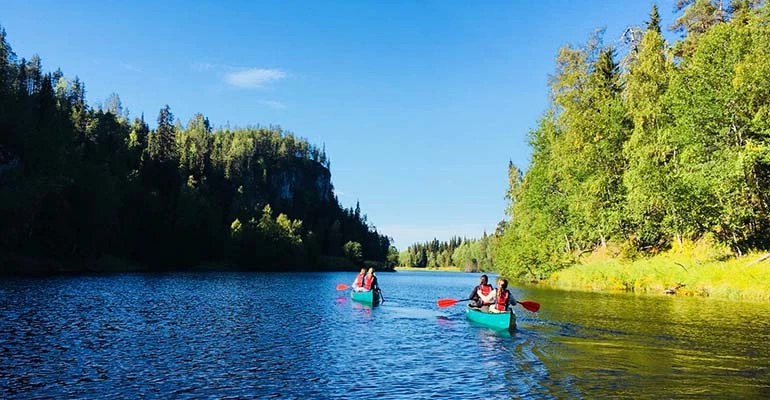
<point>342,286</point>
<point>446,302</point>
<point>530,305</point>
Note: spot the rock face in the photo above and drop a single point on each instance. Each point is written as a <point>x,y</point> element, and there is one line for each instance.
<point>300,181</point>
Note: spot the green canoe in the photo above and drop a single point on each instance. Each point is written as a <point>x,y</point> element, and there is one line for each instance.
<point>499,322</point>
<point>368,297</point>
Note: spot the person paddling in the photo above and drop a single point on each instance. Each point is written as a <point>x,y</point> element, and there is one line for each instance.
<point>358,284</point>
<point>503,297</point>
<point>482,295</point>
<point>370,282</point>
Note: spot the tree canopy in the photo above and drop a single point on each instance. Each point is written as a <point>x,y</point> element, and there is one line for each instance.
<point>80,184</point>
<point>673,147</point>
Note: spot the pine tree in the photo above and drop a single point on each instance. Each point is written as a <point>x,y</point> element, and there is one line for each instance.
<point>698,16</point>
<point>654,23</point>
<point>166,150</point>
<point>7,77</point>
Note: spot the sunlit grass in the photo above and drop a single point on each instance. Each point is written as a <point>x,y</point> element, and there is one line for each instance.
<point>445,269</point>
<point>703,269</point>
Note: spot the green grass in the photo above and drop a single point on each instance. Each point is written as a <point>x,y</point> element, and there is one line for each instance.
<point>702,268</point>
<point>444,269</point>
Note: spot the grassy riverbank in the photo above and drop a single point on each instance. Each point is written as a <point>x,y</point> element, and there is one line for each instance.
<point>695,269</point>
<point>443,269</point>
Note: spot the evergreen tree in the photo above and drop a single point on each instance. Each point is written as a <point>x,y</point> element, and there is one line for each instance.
<point>654,23</point>
<point>166,146</point>
<point>698,16</point>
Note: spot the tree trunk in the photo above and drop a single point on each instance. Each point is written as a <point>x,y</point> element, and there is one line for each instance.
<point>737,248</point>
<point>760,259</point>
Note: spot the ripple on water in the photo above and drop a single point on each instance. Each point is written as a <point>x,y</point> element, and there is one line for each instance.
<point>256,335</point>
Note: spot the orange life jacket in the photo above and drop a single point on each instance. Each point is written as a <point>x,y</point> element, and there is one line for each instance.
<point>502,300</point>
<point>485,289</point>
<point>368,282</point>
<point>359,280</point>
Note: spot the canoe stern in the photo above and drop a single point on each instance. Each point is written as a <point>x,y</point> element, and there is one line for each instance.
<point>367,297</point>
<point>499,322</point>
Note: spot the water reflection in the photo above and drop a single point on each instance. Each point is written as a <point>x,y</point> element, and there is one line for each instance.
<point>362,309</point>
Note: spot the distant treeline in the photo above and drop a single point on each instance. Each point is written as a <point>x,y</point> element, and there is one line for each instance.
<point>472,255</point>
<point>644,151</point>
<point>81,184</point>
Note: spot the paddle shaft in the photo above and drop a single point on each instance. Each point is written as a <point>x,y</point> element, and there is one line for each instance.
<point>527,304</point>
<point>448,302</point>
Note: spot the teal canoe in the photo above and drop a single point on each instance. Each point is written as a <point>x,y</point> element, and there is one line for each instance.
<point>499,322</point>
<point>368,297</point>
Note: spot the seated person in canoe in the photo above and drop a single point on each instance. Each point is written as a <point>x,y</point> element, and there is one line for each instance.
<point>503,297</point>
<point>482,295</point>
<point>358,284</point>
<point>370,281</point>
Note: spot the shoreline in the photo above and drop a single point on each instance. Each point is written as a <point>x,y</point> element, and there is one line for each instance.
<point>676,273</point>
<point>441,269</point>
<point>692,271</point>
<point>15,265</point>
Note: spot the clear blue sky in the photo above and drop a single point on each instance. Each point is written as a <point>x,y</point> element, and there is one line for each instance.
<point>420,104</point>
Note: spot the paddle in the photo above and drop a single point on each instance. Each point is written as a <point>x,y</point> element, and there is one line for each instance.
<point>342,286</point>
<point>448,302</point>
<point>527,304</point>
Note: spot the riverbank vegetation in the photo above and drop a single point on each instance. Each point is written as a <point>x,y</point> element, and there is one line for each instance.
<point>441,269</point>
<point>86,187</point>
<point>695,269</point>
<point>650,169</point>
<point>648,149</point>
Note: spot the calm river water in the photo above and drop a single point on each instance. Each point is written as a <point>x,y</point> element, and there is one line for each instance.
<point>282,335</point>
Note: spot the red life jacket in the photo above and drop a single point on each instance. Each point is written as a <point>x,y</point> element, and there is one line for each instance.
<point>485,289</point>
<point>502,300</point>
<point>368,282</point>
<point>359,280</point>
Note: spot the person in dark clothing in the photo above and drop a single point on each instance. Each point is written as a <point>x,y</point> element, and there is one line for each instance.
<point>482,295</point>
<point>370,281</point>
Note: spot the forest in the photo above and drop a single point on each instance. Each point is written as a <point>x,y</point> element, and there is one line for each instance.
<point>88,188</point>
<point>645,147</point>
<point>649,146</point>
<point>469,255</point>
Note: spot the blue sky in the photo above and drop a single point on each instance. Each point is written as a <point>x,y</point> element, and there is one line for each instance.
<point>420,104</point>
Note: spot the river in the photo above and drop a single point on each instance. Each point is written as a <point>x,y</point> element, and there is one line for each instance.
<point>293,335</point>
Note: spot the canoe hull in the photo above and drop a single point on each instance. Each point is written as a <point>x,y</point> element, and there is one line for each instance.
<point>367,297</point>
<point>498,322</point>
